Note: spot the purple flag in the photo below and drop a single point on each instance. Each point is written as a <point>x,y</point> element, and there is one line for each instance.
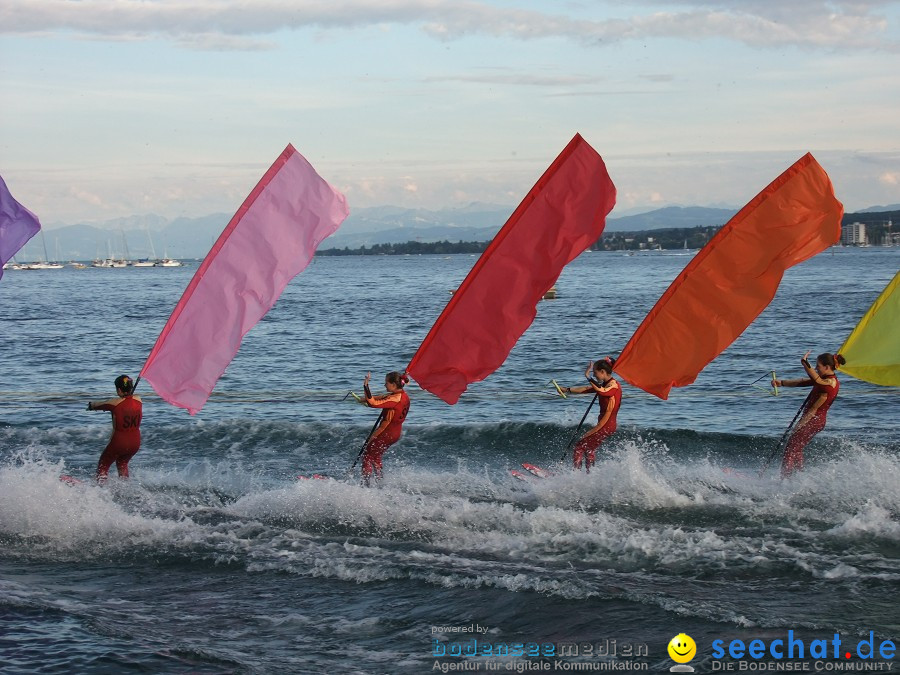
<point>17,225</point>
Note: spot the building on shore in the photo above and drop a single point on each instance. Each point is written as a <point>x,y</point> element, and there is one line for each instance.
<point>854,234</point>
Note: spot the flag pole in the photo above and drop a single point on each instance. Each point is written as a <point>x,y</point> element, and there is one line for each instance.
<point>366,442</point>
<point>781,442</point>
<point>580,424</point>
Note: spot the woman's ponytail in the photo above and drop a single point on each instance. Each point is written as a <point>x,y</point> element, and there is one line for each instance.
<point>605,364</point>
<point>833,361</point>
<point>397,378</point>
<point>125,384</point>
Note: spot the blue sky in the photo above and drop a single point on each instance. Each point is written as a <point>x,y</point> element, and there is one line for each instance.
<point>121,107</point>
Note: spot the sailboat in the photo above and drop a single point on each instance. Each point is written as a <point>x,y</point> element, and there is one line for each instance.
<point>169,262</point>
<point>44,264</point>
<point>108,261</point>
<point>148,262</point>
<point>122,262</point>
<point>56,264</point>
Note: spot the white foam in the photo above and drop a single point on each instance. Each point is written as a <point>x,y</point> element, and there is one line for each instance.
<point>640,522</point>
<point>56,518</point>
<point>871,520</point>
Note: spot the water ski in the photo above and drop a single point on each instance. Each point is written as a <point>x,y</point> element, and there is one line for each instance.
<point>536,470</point>
<point>70,480</point>
<point>518,474</point>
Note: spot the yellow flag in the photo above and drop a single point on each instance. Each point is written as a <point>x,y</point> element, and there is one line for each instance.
<point>873,348</point>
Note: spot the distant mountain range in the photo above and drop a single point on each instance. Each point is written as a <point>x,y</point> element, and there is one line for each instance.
<point>135,237</point>
<point>889,207</point>
<point>193,237</point>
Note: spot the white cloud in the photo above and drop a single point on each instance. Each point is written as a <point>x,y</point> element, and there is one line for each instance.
<point>217,42</point>
<point>808,23</point>
<point>497,76</point>
<point>861,180</point>
<point>86,197</point>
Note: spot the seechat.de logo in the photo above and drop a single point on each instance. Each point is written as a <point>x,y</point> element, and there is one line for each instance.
<point>682,649</point>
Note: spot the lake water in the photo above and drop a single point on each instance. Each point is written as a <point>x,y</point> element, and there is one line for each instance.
<point>215,559</point>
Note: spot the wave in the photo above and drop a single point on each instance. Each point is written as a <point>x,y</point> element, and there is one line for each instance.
<point>645,522</point>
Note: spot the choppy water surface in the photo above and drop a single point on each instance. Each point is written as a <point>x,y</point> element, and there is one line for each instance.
<point>214,558</point>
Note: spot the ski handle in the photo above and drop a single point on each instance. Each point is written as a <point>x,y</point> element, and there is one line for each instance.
<point>558,388</point>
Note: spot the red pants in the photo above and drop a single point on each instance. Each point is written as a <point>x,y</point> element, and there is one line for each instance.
<point>371,461</point>
<point>587,447</point>
<point>120,449</point>
<point>793,453</point>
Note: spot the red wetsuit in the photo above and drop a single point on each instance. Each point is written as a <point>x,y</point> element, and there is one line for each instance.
<point>395,407</point>
<point>587,447</point>
<point>126,436</point>
<point>793,453</point>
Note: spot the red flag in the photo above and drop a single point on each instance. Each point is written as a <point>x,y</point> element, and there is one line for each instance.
<point>732,279</point>
<point>562,215</point>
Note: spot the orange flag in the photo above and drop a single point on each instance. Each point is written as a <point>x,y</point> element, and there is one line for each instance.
<point>732,279</point>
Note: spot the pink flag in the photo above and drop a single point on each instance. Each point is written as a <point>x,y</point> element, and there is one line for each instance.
<point>269,241</point>
<point>562,215</point>
<point>17,225</point>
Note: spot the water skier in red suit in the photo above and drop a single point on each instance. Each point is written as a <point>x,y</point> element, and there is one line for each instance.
<point>125,441</point>
<point>609,393</point>
<point>394,407</point>
<point>825,387</point>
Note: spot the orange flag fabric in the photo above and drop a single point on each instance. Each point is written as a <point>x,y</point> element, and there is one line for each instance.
<point>563,214</point>
<point>732,279</point>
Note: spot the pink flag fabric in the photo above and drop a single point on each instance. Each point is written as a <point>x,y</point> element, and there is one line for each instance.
<point>17,225</point>
<point>563,214</point>
<point>269,241</point>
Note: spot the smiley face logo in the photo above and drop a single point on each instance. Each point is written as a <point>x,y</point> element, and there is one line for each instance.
<point>682,648</point>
